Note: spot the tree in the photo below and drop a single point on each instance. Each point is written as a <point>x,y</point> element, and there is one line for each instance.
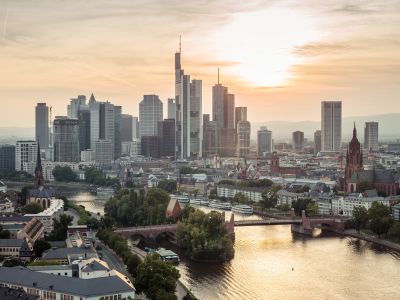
<point>12,262</point>
<point>168,185</point>
<point>360,217</point>
<point>379,218</point>
<point>32,208</point>
<point>156,278</point>
<point>4,234</point>
<point>270,197</point>
<point>394,231</point>
<point>40,246</point>
<point>97,177</point>
<point>60,228</point>
<point>240,198</point>
<point>312,209</point>
<point>64,174</point>
<point>301,204</point>
<point>133,261</point>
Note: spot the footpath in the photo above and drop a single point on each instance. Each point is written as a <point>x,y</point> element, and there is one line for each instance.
<point>372,239</point>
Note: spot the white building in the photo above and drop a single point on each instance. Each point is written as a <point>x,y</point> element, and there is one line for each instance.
<point>131,148</point>
<point>331,126</point>
<point>345,205</point>
<point>371,136</point>
<point>287,198</point>
<point>229,191</point>
<point>88,156</point>
<point>46,217</point>
<point>243,137</point>
<point>25,152</point>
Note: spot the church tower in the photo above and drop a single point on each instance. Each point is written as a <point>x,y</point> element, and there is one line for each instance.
<point>354,157</point>
<point>39,181</point>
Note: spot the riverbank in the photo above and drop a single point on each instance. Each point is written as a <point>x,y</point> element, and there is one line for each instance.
<point>373,239</point>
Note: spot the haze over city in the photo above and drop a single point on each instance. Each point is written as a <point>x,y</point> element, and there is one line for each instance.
<point>282,56</point>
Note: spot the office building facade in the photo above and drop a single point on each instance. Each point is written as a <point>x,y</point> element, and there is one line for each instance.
<point>7,158</point>
<point>317,141</point>
<point>166,130</point>
<point>25,153</point>
<point>66,139</point>
<point>243,138</point>
<point>331,126</point>
<point>298,141</point>
<point>264,141</point>
<point>150,113</point>
<point>42,125</point>
<point>371,140</point>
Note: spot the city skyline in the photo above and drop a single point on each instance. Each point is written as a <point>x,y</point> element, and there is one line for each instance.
<point>46,59</point>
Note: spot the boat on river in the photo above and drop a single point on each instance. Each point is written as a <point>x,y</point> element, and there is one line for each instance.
<point>181,199</point>
<point>242,209</point>
<point>220,205</point>
<point>168,255</point>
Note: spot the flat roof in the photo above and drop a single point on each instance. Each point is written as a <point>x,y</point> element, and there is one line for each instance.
<point>62,284</point>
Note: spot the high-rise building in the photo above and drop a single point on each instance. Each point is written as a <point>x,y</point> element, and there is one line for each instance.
<point>371,136</point>
<point>103,123</point>
<point>7,158</point>
<point>166,133</point>
<point>171,108</point>
<point>75,106</point>
<point>150,146</point>
<point>229,111</point>
<point>264,141</point>
<point>210,136</point>
<point>317,141</point>
<point>25,152</point>
<point>219,94</point>
<point>195,119</point>
<point>331,126</point>
<point>240,114</point>
<point>103,150</point>
<point>84,129</point>
<point>243,138</point>
<point>150,113</point>
<point>298,141</point>
<point>135,128</point>
<point>66,139</point>
<point>117,131</point>
<point>42,125</point>
<point>126,128</point>
<point>227,142</point>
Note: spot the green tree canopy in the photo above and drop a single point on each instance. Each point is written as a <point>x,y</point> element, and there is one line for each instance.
<point>379,218</point>
<point>64,173</point>
<point>60,227</point>
<point>97,177</point>
<point>167,185</point>
<point>156,278</point>
<point>32,208</point>
<point>40,246</point>
<point>360,217</point>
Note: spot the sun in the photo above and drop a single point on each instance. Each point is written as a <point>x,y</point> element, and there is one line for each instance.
<point>262,45</point>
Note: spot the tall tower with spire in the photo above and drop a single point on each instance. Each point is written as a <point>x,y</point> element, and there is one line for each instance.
<point>39,181</point>
<point>354,157</point>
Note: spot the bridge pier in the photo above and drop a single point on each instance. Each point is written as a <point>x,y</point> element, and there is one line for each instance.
<point>305,226</point>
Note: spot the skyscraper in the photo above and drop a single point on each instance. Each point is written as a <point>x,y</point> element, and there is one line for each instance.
<point>298,141</point>
<point>135,128</point>
<point>7,158</point>
<point>66,139</point>
<point>103,121</point>
<point>171,108</point>
<point>219,93</point>
<point>126,128</point>
<point>195,119</point>
<point>42,125</point>
<point>331,126</point>
<point>243,138</point>
<point>166,133</point>
<point>264,141</point>
<point>240,114</point>
<point>25,152</point>
<point>188,101</point>
<point>210,136</point>
<point>317,141</point>
<point>75,106</point>
<point>371,136</point>
<point>84,129</point>
<point>117,131</point>
<point>150,113</point>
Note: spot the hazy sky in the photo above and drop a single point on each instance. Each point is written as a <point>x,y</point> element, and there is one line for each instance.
<point>280,58</point>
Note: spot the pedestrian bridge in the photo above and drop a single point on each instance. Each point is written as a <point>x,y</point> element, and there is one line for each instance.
<point>303,225</point>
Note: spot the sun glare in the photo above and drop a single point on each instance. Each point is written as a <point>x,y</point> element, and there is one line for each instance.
<point>262,45</point>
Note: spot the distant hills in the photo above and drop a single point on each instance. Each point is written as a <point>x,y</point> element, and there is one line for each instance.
<point>389,128</point>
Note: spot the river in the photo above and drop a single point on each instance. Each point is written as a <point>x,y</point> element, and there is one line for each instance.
<point>272,263</point>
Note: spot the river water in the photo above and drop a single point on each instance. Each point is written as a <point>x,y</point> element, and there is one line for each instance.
<point>272,263</point>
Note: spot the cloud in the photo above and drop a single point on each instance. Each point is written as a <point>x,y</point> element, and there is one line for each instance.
<point>319,48</point>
